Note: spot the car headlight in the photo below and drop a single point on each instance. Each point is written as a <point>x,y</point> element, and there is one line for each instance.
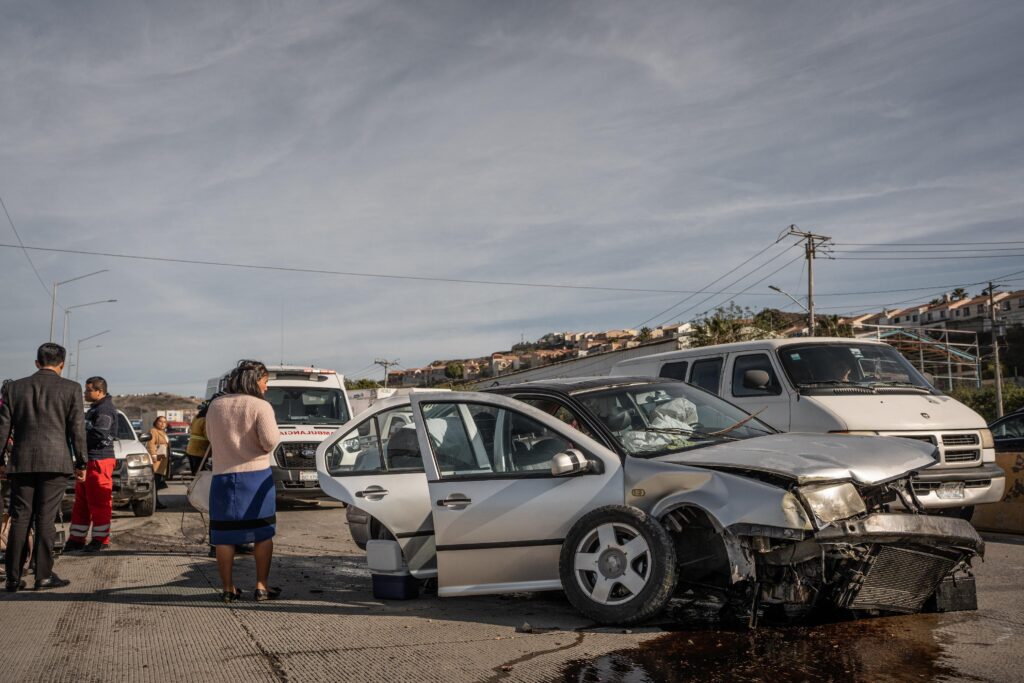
<point>986,439</point>
<point>831,502</point>
<point>138,460</point>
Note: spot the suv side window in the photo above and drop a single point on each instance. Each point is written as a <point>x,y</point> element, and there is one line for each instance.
<point>707,374</point>
<point>675,370</point>
<point>754,361</point>
<point>475,440</point>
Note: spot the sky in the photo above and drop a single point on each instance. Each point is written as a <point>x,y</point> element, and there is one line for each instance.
<point>626,146</point>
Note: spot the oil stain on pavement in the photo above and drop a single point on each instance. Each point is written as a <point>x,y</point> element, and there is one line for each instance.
<point>869,650</point>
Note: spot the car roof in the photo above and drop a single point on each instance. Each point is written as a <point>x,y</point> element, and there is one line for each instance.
<point>758,344</point>
<point>573,385</point>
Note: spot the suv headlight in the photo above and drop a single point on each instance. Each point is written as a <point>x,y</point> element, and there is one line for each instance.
<point>138,460</point>
<point>831,502</point>
<point>986,439</point>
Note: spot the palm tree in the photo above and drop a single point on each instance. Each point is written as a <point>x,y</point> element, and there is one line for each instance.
<point>959,293</point>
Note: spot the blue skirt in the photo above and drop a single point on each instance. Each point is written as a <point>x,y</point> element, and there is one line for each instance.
<point>242,507</point>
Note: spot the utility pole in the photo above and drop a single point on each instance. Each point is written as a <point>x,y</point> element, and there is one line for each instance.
<point>811,244</point>
<point>995,348</point>
<point>386,364</point>
<point>53,296</point>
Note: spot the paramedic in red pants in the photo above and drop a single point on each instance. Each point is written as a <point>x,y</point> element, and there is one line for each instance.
<point>94,496</point>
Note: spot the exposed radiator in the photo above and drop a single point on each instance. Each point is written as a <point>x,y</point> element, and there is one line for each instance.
<point>900,580</point>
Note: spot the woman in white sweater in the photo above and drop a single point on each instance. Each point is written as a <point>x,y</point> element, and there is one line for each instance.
<point>243,434</point>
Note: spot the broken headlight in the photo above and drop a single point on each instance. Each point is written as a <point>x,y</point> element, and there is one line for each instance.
<point>831,502</point>
<point>138,460</point>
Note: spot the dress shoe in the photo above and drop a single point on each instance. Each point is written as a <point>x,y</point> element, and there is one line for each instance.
<point>96,546</point>
<point>73,546</point>
<point>53,582</point>
<point>15,586</point>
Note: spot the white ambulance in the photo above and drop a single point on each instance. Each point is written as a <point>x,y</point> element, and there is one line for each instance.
<point>310,404</point>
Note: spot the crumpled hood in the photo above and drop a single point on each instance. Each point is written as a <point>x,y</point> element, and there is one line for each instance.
<point>816,457</point>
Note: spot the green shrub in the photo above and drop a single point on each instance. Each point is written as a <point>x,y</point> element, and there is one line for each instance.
<point>984,400</point>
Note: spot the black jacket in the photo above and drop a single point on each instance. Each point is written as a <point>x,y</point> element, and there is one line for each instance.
<point>101,429</point>
<point>46,416</point>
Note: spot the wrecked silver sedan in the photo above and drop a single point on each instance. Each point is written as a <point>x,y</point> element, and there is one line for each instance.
<point>626,492</point>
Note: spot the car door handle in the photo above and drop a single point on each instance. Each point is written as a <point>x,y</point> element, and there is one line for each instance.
<point>372,493</point>
<point>456,501</point>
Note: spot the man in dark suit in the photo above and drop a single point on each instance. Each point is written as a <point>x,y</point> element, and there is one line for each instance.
<point>45,415</point>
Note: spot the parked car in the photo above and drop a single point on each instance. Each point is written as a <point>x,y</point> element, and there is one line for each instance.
<point>133,474</point>
<point>853,386</point>
<point>1008,432</point>
<point>626,491</point>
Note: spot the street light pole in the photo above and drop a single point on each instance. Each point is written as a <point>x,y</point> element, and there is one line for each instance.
<point>782,291</point>
<point>67,313</point>
<point>78,350</point>
<point>53,297</point>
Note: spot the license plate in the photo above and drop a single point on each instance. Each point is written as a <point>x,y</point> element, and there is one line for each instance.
<point>951,490</point>
<point>310,475</point>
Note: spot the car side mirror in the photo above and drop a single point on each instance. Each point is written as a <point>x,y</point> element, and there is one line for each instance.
<point>758,380</point>
<point>143,438</point>
<point>569,462</point>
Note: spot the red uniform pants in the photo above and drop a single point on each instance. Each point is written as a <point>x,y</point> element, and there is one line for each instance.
<point>94,502</point>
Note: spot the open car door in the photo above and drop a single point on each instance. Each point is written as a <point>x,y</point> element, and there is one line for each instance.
<point>376,466</point>
<point>499,513</point>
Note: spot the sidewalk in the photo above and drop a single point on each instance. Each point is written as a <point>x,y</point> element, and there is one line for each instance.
<point>148,610</point>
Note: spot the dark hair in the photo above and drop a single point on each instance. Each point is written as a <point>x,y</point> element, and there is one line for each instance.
<point>158,418</point>
<point>50,355</point>
<point>244,379</point>
<point>98,383</point>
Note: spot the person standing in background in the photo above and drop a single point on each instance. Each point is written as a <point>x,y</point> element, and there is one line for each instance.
<point>159,447</point>
<point>243,434</point>
<point>46,415</point>
<point>197,441</point>
<point>94,497</point>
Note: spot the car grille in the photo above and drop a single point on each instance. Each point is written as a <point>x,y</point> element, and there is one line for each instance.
<point>900,580</point>
<point>920,437</point>
<point>962,456</point>
<point>959,439</point>
<point>298,455</point>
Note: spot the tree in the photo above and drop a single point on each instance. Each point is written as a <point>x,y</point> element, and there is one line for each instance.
<point>355,384</point>
<point>830,326</point>
<point>959,293</point>
<point>729,324</point>
<point>645,334</point>
<point>454,370</point>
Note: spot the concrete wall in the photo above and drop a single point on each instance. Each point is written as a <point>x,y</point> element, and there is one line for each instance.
<point>588,366</point>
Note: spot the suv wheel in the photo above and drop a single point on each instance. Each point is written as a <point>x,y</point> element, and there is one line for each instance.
<point>618,565</point>
<point>143,507</point>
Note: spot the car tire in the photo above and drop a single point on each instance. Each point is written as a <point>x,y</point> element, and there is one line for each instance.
<point>618,565</point>
<point>144,507</point>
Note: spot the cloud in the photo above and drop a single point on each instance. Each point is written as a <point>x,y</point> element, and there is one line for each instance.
<point>653,144</point>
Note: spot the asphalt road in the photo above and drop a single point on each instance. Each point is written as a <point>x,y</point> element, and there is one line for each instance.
<point>147,609</point>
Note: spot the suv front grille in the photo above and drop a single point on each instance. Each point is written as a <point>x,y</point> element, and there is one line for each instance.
<point>963,456</point>
<point>959,439</point>
<point>298,455</point>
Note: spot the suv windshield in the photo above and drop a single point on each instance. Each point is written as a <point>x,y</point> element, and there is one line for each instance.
<point>649,420</point>
<point>307,406</point>
<point>852,364</point>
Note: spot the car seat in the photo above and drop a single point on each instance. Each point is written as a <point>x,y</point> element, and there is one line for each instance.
<point>404,450</point>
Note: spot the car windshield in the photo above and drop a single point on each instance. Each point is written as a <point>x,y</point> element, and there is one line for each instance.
<point>649,420</point>
<point>301,405</point>
<point>850,364</point>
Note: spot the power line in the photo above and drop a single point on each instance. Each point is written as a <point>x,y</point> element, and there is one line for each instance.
<point>715,281</point>
<point>1000,250</point>
<point>918,244</point>
<point>25,249</point>
<point>918,258</point>
<point>777,270</point>
<point>318,271</point>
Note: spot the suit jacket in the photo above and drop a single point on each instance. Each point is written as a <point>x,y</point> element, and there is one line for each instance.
<point>45,414</point>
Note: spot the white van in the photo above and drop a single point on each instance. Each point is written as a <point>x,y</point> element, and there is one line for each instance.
<point>842,385</point>
<point>310,404</point>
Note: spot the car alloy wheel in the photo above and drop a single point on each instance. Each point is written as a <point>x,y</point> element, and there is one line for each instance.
<point>618,565</point>
<point>612,564</point>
